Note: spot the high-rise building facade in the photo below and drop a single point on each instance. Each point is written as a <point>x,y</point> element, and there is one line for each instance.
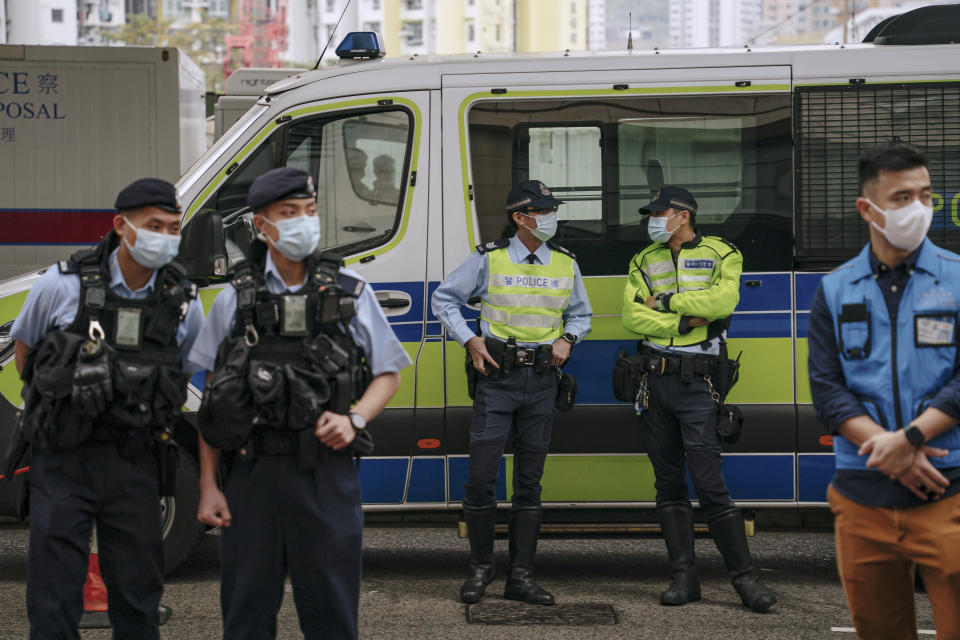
<point>713,23</point>
<point>551,25</point>
<point>41,21</point>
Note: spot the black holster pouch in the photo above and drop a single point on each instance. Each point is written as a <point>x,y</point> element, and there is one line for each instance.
<point>168,456</point>
<point>362,444</point>
<point>49,419</point>
<point>499,350</point>
<point>729,423</point>
<point>473,376</point>
<point>728,371</point>
<point>627,371</point>
<point>227,412</point>
<point>544,358</point>
<point>566,392</point>
<point>268,386</point>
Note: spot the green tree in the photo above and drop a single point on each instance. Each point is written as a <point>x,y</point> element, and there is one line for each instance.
<point>203,41</point>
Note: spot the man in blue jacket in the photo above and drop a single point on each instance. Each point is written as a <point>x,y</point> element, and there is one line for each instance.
<point>885,380</point>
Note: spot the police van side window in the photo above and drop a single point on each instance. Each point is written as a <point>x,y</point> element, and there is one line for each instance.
<point>359,163</point>
<point>733,152</point>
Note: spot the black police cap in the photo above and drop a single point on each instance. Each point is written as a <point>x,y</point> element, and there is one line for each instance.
<point>669,197</point>
<point>148,192</point>
<point>280,184</point>
<point>531,193</point>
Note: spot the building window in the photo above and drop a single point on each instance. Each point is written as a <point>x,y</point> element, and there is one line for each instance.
<point>371,26</point>
<point>471,32</point>
<point>414,32</point>
<point>573,37</point>
<point>56,15</point>
<point>331,5</point>
<point>375,4</point>
<point>498,33</point>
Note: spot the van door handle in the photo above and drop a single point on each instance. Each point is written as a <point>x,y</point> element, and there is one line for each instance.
<point>393,301</point>
<point>752,283</point>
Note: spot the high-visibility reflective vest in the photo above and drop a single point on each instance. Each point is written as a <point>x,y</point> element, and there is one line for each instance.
<point>704,280</point>
<point>526,301</point>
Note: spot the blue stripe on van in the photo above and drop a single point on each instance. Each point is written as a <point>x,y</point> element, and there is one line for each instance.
<point>412,332</point>
<point>760,325</point>
<point>772,294</point>
<point>458,470</point>
<point>803,321</point>
<point>382,480</point>
<point>814,473</point>
<point>757,477</point>
<point>807,284</point>
<point>426,480</point>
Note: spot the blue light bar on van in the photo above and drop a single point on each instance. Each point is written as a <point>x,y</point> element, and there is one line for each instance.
<point>361,45</point>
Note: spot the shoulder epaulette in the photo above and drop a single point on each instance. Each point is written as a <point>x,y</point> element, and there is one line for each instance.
<point>555,247</point>
<point>68,266</point>
<point>500,243</point>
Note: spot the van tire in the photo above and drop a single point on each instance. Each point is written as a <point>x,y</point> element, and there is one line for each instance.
<point>182,534</point>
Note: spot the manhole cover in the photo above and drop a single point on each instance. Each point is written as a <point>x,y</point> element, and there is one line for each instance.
<point>568,615</point>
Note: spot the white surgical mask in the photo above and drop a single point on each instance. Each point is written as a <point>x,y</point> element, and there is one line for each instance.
<point>298,237</point>
<point>152,250</point>
<point>907,226</point>
<point>657,228</point>
<point>546,225</point>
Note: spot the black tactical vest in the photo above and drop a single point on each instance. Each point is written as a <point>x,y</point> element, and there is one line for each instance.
<point>289,357</point>
<point>138,338</point>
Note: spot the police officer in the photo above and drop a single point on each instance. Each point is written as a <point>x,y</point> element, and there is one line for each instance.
<point>535,308</point>
<point>297,332</point>
<point>679,296</point>
<point>885,380</point>
<point>100,343</point>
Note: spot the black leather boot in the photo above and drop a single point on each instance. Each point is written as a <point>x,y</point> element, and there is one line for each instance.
<point>676,521</point>
<point>731,539</point>
<point>481,530</point>
<point>524,529</point>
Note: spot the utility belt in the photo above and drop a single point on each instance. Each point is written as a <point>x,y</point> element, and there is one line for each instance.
<point>687,365</point>
<point>631,372</point>
<point>510,356</point>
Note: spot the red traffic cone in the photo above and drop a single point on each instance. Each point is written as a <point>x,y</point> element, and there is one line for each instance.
<point>95,594</point>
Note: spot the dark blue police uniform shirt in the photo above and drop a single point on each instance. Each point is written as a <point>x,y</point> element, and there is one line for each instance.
<point>868,487</point>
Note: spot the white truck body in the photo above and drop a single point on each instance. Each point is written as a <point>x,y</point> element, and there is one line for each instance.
<point>76,125</point>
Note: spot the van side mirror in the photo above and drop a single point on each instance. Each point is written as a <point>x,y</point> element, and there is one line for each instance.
<point>203,248</point>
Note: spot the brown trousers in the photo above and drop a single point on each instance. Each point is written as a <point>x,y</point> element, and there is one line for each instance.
<point>877,549</point>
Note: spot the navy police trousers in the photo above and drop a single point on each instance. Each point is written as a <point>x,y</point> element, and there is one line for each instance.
<point>69,490</point>
<point>679,429</point>
<point>305,523</point>
<point>520,404</point>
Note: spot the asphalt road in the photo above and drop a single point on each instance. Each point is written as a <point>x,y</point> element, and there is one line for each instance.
<point>412,576</point>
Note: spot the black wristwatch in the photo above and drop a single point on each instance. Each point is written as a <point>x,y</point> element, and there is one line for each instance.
<point>661,301</point>
<point>569,337</point>
<point>358,421</point>
<point>915,435</point>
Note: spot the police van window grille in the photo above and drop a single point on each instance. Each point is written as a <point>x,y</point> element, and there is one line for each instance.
<point>834,125</point>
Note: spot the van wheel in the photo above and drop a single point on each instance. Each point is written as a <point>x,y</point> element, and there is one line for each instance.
<point>178,515</point>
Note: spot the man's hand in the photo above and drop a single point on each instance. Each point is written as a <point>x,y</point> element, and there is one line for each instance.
<point>922,478</point>
<point>213,509</point>
<point>477,347</point>
<point>335,430</point>
<point>561,351</point>
<point>651,302</point>
<point>892,453</point>
<point>698,322</point>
